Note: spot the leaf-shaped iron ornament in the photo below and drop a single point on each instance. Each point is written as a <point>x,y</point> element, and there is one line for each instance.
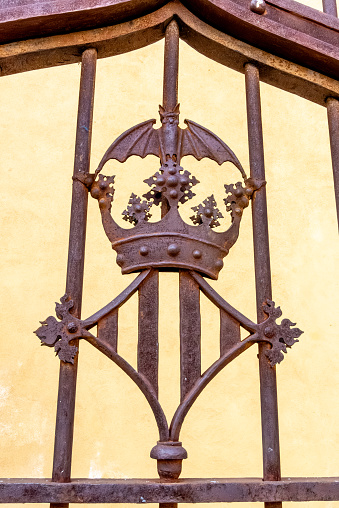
<point>60,333</point>
<point>281,336</point>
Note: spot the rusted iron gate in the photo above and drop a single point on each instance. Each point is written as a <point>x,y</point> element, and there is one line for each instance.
<point>234,34</point>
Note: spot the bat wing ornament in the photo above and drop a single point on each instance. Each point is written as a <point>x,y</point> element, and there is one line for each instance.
<point>170,141</point>
<point>201,142</point>
<point>140,140</point>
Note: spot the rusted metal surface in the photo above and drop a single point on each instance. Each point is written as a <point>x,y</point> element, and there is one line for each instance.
<point>182,243</point>
<point>229,332</point>
<point>63,49</point>
<point>332,104</point>
<point>23,19</point>
<point>333,124</point>
<point>330,7</point>
<point>108,329</point>
<point>177,245</point>
<point>217,490</point>
<point>169,452</point>
<point>190,332</point>
<point>268,383</point>
<point>288,29</point>
<point>75,269</point>
<point>148,340</point>
<point>195,251</point>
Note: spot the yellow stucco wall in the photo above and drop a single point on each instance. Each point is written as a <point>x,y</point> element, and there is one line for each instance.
<point>113,422</point>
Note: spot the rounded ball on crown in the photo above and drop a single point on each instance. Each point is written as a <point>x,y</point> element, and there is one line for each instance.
<point>219,264</point>
<point>161,180</point>
<point>243,202</point>
<point>120,259</point>
<point>144,250</point>
<point>173,170</point>
<point>184,180</point>
<point>95,193</point>
<point>172,181</point>
<point>173,249</point>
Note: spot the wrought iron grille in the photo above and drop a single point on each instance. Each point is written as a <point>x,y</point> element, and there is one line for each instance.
<point>235,35</point>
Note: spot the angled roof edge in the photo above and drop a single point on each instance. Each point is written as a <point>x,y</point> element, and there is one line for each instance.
<point>224,30</point>
<point>50,51</point>
<point>287,29</point>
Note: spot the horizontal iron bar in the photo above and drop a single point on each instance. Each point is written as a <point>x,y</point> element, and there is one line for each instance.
<point>211,490</point>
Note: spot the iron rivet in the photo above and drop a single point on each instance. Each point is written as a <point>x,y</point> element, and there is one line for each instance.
<point>219,264</point>
<point>197,254</point>
<point>72,327</point>
<point>258,6</point>
<point>172,181</point>
<point>173,249</point>
<point>120,259</point>
<point>95,193</point>
<point>143,250</point>
<point>269,331</point>
<point>103,185</point>
<point>173,194</point>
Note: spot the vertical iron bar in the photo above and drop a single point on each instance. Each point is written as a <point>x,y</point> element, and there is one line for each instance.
<point>190,332</point>
<point>75,269</point>
<point>171,66</point>
<point>229,332</point>
<point>170,100</point>
<point>330,7</point>
<point>268,383</point>
<point>108,329</point>
<point>170,84</point>
<point>148,347</point>
<point>333,124</point>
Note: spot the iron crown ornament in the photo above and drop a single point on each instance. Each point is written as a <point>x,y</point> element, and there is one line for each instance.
<point>170,242</point>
